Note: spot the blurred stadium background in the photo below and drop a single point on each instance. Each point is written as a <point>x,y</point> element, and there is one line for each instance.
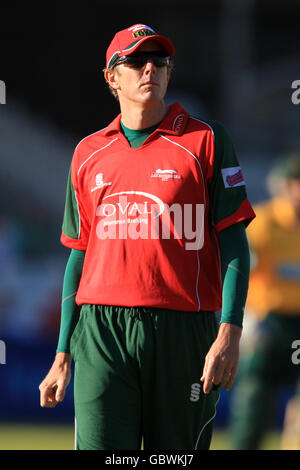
<point>235,62</point>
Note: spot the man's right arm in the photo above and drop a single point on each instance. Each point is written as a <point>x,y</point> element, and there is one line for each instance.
<point>70,311</point>
<point>53,387</point>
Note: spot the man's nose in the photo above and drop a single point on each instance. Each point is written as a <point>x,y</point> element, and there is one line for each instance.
<point>149,66</point>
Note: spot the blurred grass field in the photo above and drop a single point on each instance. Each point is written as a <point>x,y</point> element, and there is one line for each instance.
<point>52,437</point>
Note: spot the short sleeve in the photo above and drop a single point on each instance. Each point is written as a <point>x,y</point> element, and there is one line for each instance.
<point>228,196</point>
<point>75,227</point>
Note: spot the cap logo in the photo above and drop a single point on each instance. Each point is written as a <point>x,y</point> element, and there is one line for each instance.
<point>142,33</point>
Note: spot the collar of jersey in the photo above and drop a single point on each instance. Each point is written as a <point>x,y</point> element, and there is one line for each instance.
<point>174,122</point>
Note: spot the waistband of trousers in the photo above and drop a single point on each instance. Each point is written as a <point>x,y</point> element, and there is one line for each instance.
<point>138,312</point>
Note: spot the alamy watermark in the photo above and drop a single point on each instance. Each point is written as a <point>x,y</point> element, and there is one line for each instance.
<point>138,217</point>
<point>2,92</point>
<point>296,353</point>
<point>296,94</point>
<point>2,352</point>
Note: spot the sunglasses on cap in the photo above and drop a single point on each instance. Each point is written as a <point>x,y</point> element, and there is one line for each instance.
<point>138,60</point>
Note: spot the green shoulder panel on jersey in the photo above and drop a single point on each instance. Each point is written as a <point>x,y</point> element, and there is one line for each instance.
<point>71,220</point>
<point>227,188</point>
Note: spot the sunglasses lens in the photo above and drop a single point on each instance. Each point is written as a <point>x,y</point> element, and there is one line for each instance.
<point>139,60</point>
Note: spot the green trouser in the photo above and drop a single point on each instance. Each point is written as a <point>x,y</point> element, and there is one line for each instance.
<point>137,378</point>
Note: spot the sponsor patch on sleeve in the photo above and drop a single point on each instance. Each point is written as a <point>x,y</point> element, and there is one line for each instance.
<point>233,177</point>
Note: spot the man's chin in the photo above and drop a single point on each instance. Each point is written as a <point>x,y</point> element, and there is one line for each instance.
<point>150,96</point>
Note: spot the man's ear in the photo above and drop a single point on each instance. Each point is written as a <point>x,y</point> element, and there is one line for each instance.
<point>111,78</point>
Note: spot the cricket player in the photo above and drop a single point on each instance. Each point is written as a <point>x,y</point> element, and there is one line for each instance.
<point>155,217</point>
<point>273,306</point>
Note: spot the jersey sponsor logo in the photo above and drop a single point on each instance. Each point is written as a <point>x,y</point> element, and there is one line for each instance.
<point>165,175</point>
<point>141,215</point>
<point>233,177</point>
<point>195,392</point>
<point>178,122</point>
<point>99,182</point>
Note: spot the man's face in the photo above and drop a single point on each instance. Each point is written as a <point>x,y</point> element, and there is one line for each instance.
<point>145,85</point>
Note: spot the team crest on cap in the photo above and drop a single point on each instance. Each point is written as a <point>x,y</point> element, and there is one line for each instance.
<point>141,31</point>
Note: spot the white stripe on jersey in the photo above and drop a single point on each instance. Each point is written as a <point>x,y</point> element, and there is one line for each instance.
<point>102,148</point>
<point>198,258</point>
<point>200,120</point>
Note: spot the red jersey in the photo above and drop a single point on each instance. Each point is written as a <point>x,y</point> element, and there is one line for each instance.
<point>148,217</point>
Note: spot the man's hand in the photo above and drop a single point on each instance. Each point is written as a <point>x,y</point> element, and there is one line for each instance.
<point>53,387</point>
<point>221,361</point>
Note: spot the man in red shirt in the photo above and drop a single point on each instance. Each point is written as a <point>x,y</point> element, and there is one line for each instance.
<point>155,216</point>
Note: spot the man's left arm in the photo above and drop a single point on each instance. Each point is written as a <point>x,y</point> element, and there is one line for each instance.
<point>221,361</point>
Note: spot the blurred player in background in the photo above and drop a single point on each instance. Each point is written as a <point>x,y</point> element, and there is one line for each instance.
<point>149,358</point>
<point>273,311</point>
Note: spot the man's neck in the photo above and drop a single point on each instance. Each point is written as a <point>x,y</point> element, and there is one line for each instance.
<point>142,117</point>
